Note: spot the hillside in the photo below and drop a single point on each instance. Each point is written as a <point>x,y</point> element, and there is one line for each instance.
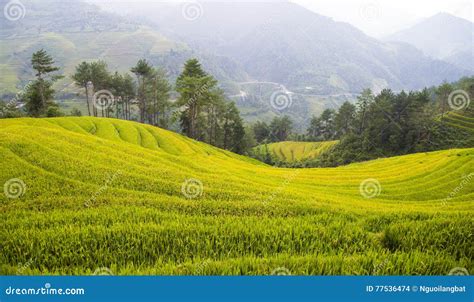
<point>460,120</point>
<point>295,151</point>
<point>442,36</point>
<point>87,193</point>
<point>314,56</point>
<point>89,34</point>
<point>319,62</point>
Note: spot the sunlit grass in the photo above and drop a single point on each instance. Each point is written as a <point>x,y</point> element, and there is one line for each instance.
<point>109,193</point>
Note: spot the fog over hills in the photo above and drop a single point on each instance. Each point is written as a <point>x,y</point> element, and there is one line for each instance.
<point>281,46</point>
<point>286,43</point>
<point>442,36</point>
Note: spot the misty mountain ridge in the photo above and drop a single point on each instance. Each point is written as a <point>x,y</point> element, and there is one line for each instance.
<point>442,36</point>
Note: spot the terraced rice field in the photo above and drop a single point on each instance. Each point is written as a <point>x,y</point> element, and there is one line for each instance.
<point>459,120</point>
<point>84,194</point>
<point>296,151</point>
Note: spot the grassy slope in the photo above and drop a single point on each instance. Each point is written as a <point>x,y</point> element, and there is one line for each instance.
<point>108,193</point>
<point>296,151</point>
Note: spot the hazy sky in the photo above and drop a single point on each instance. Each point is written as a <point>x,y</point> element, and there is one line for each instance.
<point>382,17</point>
<point>375,17</point>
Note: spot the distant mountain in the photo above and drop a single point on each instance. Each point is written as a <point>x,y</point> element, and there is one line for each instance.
<point>442,36</point>
<point>286,43</point>
<point>73,31</point>
<point>255,50</point>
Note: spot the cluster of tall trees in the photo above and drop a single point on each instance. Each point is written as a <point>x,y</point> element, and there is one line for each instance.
<point>375,125</point>
<point>201,110</point>
<point>149,94</point>
<point>388,124</point>
<point>38,93</point>
<point>381,125</point>
<point>204,114</point>
<point>279,129</point>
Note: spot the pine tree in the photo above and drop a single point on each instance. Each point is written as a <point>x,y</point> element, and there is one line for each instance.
<point>39,93</point>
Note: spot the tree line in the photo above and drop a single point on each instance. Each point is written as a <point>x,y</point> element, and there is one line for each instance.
<point>381,125</point>
<point>384,124</point>
<point>201,110</point>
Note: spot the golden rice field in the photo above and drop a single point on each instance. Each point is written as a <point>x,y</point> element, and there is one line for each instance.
<point>296,151</point>
<point>85,194</point>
